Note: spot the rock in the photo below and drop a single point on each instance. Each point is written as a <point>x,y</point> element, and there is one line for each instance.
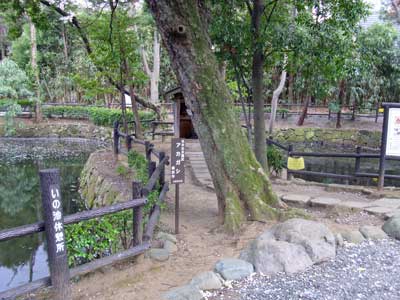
<point>324,202</point>
<point>296,200</point>
<point>373,233</point>
<point>316,238</point>
<point>290,247</point>
<point>379,211</point>
<point>270,256</point>
<point>339,240</point>
<point>354,236</point>
<point>170,247</point>
<point>392,227</point>
<point>354,205</point>
<point>166,236</point>
<point>187,292</point>
<point>159,254</point>
<point>207,281</point>
<point>387,202</point>
<point>233,269</point>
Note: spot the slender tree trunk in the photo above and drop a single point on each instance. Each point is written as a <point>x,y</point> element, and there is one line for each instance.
<point>303,114</point>
<point>153,74</point>
<point>35,70</point>
<point>66,57</point>
<point>242,186</point>
<point>342,94</point>
<point>275,98</point>
<point>260,147</point>
<point>139,131</point>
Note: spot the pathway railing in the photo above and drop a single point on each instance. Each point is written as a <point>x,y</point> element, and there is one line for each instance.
<point>141,237</point>
<point>358,156</point>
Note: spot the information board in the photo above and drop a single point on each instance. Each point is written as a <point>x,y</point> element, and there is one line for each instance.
<point>393,132</point>
<point>177,161</point>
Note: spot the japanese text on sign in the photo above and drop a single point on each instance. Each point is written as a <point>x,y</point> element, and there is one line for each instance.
<point>177,161</point>
<point>393,133</point>
<point>58,225</point>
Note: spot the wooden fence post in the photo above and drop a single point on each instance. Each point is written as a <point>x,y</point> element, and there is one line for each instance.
<point>129,142</point>
<point>289,175</point>
<point>55,236</point>
<point>116,137</point>
<point>162,174</point>
<point>358,161</point>
<point>152,167</point>
<point>137,214</point>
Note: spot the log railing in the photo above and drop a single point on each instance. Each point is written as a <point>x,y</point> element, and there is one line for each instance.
<point>141,236</point>
<point>358,156</point>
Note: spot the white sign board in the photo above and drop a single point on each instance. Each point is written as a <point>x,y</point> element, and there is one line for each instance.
<point>393,133</point>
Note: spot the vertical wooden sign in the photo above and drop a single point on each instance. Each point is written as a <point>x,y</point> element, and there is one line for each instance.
<point>177,172</point>
<point>55,235</point>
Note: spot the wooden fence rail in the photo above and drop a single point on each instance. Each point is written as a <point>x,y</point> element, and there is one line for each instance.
<point>141,237</point>
<point>358,155</point>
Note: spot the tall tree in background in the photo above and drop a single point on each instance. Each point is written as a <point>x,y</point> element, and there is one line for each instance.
<point>35,71</point>
<point>154,72</point>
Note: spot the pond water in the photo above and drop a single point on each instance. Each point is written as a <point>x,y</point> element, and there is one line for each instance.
<point>25,259</point>
<point>344,166</point>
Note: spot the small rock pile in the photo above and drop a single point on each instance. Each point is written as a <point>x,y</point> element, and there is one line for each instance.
<point>166,245</point>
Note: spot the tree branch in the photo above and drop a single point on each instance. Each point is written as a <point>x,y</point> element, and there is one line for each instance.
<point>74,21</point>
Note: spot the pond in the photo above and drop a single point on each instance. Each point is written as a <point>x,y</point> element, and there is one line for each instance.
<point>25,259</point>
<point>344,166</point>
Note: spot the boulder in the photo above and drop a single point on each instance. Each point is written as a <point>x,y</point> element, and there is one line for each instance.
<point>233,269</point>
<point>354,236</point>
<point>159,254</point>
<point>290,247</point>
<point>170,247</point>
<point>207,281</point>
<point>187,292</point>
<point>317,240</point>
<point>270,256</point>
<point>392,227</point>
<point>163,236</point>
<point>373,233</point>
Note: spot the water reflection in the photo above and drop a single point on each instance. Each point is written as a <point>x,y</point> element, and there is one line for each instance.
<point>25,259</point>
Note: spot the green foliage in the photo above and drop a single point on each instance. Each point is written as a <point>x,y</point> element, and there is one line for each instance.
<point>276,160</point>
<point>10,124</point>
<point>98,115</point>
<point>121,170</point>
<point>14,82</point>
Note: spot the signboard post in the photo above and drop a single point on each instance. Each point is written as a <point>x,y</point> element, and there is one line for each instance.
<point>55,236</point>
<point>177,172</point>
<point>390,145</point>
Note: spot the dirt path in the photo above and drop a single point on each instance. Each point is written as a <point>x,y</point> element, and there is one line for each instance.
<point>201,243</point>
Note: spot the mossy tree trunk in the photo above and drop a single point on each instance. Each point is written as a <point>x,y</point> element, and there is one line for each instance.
<point>242,187</point>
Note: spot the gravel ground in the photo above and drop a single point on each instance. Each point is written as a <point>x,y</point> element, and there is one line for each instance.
<point>370,271</point>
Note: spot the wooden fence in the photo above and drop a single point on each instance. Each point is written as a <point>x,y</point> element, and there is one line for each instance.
<point>60,274</point>
<point>358,156</point>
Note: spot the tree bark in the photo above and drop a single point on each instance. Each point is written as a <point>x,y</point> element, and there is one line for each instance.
<point>154,74</point>
<point>260,147</point>
<point>242,186</point>
<point>275,98</point>
<point>35,70</point>
<point>342,94</point>
<point>303,114</point>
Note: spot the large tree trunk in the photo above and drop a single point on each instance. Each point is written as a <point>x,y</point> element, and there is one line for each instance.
<point>242,186</point>
<point>260,147</point>
<point>35,70</point>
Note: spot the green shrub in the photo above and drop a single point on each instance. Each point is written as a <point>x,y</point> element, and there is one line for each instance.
<point>100,116</point>
<point>107,235</point>
<point>276,160</point>
<point>4,103</point>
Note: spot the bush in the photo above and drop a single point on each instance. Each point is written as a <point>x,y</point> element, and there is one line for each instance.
<point>100,116</point>
<point>276,160</point>
<point>4,103</point>
<point>110,234</point>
